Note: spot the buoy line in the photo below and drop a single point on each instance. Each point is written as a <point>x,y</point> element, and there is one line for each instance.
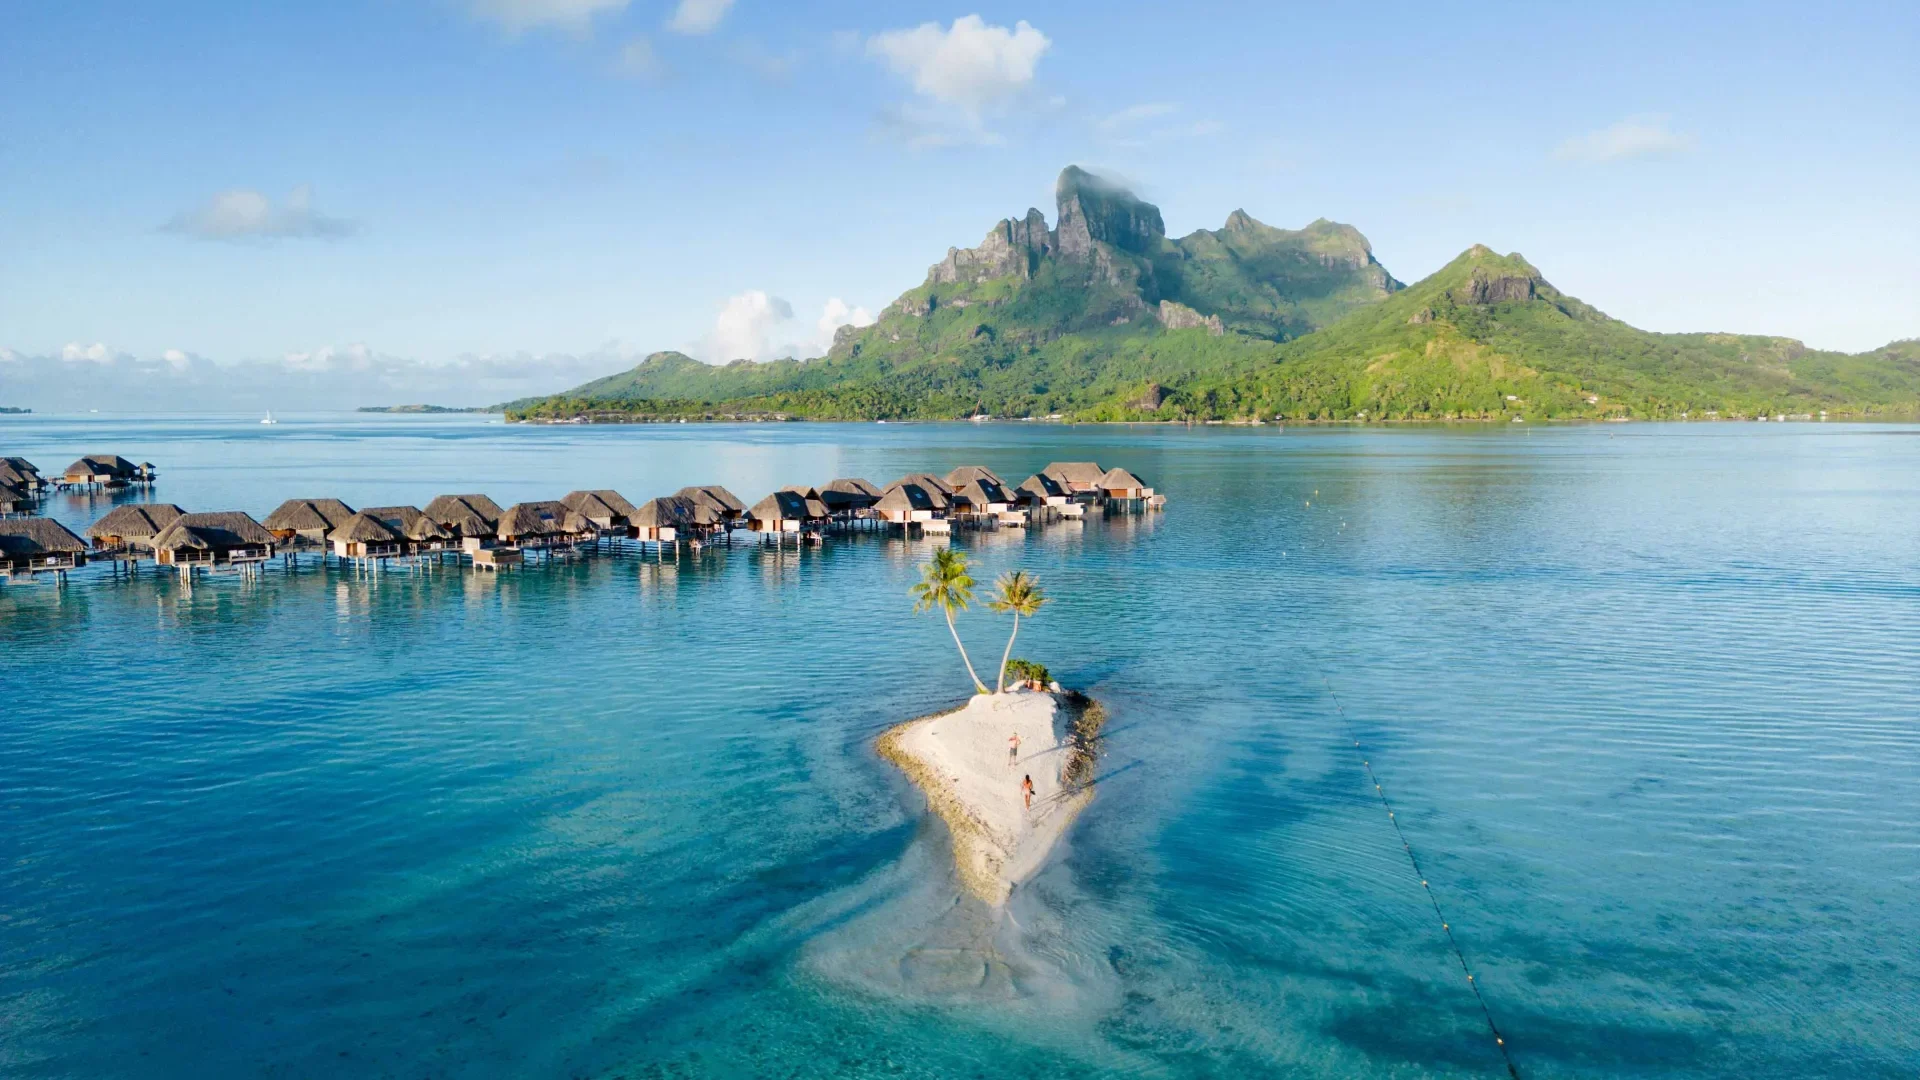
<point>1446,928</point>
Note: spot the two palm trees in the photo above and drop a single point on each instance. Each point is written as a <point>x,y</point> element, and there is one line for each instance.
<point>945,584</point>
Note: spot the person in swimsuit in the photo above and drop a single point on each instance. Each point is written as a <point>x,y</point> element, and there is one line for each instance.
<point>1026,788</point>
<point>1013,749</point>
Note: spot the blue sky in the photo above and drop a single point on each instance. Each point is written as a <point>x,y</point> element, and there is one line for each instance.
<point>422,180</point>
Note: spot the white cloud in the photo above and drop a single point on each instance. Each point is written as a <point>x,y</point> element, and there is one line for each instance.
<point>245,214</point>
<point>575,16</point>
<point>354,357</point>
<point>178,359</point>
<point>97,353</point>
<point>1634,137</point>
<point>970,64</point>
<point>743,328</point>
<point>698,16</point>
<point>639,60</point>
<point>8,356</point>
<point>837,314</point>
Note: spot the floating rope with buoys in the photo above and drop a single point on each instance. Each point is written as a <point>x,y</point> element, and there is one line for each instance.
<point>1446,927</point>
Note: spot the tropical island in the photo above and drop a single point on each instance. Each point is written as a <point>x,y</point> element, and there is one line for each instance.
<point>1010,770</point>
<point>11,410</point>
<point>1103,316</point>
<point>421,409</point>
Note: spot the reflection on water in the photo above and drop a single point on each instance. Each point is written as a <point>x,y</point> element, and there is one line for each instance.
<point>1642,696</point>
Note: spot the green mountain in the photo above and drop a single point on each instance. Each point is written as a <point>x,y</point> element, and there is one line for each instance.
<point>1104,316</point>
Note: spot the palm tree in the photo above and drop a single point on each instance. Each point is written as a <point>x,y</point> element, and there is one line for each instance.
<point>945,585</point>
<point>1018,592</point>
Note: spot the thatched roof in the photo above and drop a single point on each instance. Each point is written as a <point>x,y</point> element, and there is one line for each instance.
<point>12,497</point>
<point>780,506</point>
<point>937,492</point>
<point>308,515</point>
<point>217,531</point>
<point>905,496</point>
<point>135,521</point>
<point>959,477</point>
<point>696,512</point>
<point>1071,474</point>
<point>929,481</point>
<point>816,506</point>
<point>599,505</point>
<point>1120,478</point>
<point>19,472</point>
<point>1040,487</point>
<point>979,492</point>
<point>667,513</point>
<point>714,495</point>
<point>101,465</point>
<point>409,522</point>
<point>547,518</point>
<point>31,537</point>
<point>848,493</point>
<point>448,509</point>
<point>365,527</point>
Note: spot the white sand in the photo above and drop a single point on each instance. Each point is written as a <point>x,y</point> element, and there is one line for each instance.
<point>960,760</point>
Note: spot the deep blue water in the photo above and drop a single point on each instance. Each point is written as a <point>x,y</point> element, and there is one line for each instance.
<point>1644,698</point>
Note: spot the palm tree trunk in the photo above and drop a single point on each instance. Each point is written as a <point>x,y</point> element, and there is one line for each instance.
<point>982,687</point>
<point>1001,684</point>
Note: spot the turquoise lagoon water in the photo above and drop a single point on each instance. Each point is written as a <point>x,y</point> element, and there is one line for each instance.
<point>1644,698</point>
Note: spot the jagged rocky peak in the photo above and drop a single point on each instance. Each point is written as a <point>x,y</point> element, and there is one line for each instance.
<point>1015,247</point>
<point>1094,208</point>
<point>1496,279</point>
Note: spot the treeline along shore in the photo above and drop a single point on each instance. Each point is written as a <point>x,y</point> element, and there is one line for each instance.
<point>475,531</point>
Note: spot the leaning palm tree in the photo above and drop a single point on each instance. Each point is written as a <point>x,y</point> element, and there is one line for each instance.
<point>1018,592</point>
<point>945,585</point>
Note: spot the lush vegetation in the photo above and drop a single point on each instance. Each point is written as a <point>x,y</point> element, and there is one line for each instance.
<point>1309,328</point>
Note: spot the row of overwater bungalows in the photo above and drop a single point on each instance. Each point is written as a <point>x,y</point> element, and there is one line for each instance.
<point>478,529</point>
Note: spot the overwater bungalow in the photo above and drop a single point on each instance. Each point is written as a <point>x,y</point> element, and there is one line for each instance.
<point>475,519</point>
<point>608,510</point>
<point>1080,479</point>
<point>128,531</point>
<point>666,520</point>
<point>223,538</point>
<point>779,513</point>
<point>980,500</point>
<point>18,472</point>
<point>904,503</point>
<point>961,476</point>
<point>547,524</point>
<point>34,545</point>
<point>103,471</point>
<point>14,501</point>
<point>726,504</point>
<point>366,536</point>
<point>1119,484</point>
<point>934,484</point>
<point>307,522</point>
<point>1041,490</point>
<point>423,535</point>
<point>818,513</point>
<point>848,497</point>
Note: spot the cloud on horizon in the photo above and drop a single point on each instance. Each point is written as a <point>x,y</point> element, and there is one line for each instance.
<point>242,214</point>
<point>1634,137</point>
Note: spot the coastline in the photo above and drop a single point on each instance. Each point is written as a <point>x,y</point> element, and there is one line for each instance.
<point>958,760</point>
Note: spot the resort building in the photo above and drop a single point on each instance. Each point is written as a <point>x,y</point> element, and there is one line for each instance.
<point>980,499</point>
<point>848,497</point>
<point>105,471</point>
<point>129,531</point>
<point>780,512</point>
<point>307,522</point>
<point>224,538</point>
<point>817,510</point>
<point>14,501</point>
<point>662,520</point>
<point>422,534</point>
<point>1040,490</point>
<point>609,511</point>
<point>366,536</point>
<point>18,472</point>
<point>724,503</point>
<point>542,525</point>
<point>903,503</point>
<point>1079,479</point>
<point>33,545</point>
<point>475,519</point>
<point>1119,484</point>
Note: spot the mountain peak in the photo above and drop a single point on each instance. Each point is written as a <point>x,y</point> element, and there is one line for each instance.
<point>1093,208</point>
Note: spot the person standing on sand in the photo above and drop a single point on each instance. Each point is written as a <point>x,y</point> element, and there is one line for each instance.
<point>1026,788</point>
<point>1013,749</point>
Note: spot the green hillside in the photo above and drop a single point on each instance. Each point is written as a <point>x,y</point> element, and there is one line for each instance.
<point>1105,317</point>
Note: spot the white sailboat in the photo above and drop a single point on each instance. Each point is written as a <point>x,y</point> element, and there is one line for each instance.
<point>269,419</point>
